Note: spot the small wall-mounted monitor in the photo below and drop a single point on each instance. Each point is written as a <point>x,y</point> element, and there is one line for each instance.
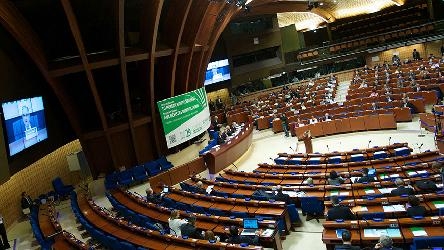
<point>24,123</point>
<point>217,71</point>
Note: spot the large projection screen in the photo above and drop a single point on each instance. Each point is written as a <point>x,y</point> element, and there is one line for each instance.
<point>184,116</point>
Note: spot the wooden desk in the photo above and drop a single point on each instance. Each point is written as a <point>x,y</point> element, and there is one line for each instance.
<point>431,225</point>
<point>263,122</point>
<point>46,217</point>
<point>109,227</point>
<point>229,152</point>
<point>218,224</point>
<point>330,238</point>
<point>277,126</point>
<point>357,123</point>
<point>177,174</point>
<point>402,114</point>
<point>431,231</point>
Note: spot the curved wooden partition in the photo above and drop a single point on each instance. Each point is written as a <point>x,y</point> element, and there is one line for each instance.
<point>219,158</point>
<point>347,125</point>
<point>177,174</point>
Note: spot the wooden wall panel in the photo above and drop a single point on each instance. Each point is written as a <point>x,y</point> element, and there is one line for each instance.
<point>122,143</point>
<point>424,50</point>
<point>35,180</point>
<point>143,142</point>
<point>209,21</point>
<point>245,44</point>
<point>100,160</point>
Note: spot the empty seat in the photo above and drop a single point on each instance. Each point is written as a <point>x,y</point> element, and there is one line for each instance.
<point>139,173</point>
<point>125,178</point>
<point>60,188</point>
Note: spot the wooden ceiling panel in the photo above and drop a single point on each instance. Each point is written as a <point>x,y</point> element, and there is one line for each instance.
<point>298,13</point>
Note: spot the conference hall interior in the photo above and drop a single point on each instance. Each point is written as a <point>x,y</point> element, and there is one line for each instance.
<point>221,124</point>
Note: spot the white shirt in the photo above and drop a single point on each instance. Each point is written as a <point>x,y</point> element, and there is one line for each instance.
<point>174,225</point>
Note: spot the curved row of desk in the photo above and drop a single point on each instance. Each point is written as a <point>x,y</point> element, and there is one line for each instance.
<point>403,231</point>
<point>367,151</point>
<point>51,228</point>
<point>139,237</point>
<point>215,160</point>
<point>204,221</point>
<point>368,200</point>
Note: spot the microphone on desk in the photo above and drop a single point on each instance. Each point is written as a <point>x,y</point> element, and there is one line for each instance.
<point>328,149</point>
<point>368,145</point>
<point>235,166</point>
<point>272,160</point>
<point>366,221</point>
<point>292,149</point>
<point>390,138</point>
<point>420,146</point>
<point>104,208</point>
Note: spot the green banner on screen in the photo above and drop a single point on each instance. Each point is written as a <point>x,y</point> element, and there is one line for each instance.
<point>184,116</point>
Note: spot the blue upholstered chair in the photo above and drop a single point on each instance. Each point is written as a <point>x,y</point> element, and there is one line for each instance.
<point>61,189</point>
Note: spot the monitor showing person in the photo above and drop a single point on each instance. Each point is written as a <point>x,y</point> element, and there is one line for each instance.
<point>26,126</point>
<point>25,123</point>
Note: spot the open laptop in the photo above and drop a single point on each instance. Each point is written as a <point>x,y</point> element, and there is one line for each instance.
<point>164,191</point>
<point>250,226</point>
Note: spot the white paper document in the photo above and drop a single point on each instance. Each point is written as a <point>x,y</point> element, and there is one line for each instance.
<point>394,208</point>
<point>385,190</point>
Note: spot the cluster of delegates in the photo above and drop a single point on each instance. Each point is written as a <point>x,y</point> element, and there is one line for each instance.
<point>303,95</point>
<point>218,105</point>
<point>385,243</point>
<point>340,212</point>
<point>225,132</point>
<point>187,228</point>
<point>276,194</point>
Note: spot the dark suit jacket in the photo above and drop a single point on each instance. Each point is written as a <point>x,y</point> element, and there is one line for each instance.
<point>346,247</point>
<point>189,230</point>
<point>402,191</point>
<point>154,198</point>
<point>365,179</point>
<point>340,212</point>
<point>200,190</point>
<point>416,211</point>
<point>251,240</point>
<point>282,197</point>
<point>19,127</point>
<point>26,203</point>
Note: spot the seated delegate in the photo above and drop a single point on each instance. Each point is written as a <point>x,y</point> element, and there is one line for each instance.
<point>415,208</point>
<point>152,197</point>
<point>174,223</point>
<point>189,228</point>
<point>365,178</point>
<point>401,189</point>
<point>339,212</point>
<point>236,238</point>
<point>280,196</point>
<point>334,178</point>
<point>346,242</point>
